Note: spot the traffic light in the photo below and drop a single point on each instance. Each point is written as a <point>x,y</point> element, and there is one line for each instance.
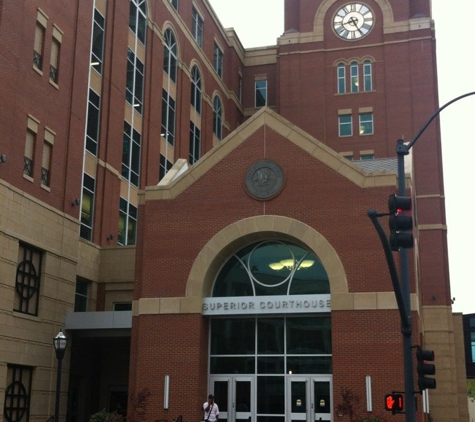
<point>424,369</point>
<point>394,402</point>
<point>400,225</point>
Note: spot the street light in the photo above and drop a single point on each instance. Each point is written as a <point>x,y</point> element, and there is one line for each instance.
<point>59,342</point>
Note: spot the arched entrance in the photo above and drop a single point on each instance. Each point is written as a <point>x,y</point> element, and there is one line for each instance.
<point>270,335</point>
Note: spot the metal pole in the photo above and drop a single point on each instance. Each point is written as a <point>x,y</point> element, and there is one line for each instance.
<point>58,388</point>
<point>402,151</point>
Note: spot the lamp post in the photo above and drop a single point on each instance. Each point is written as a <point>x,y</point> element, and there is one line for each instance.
<point>402,288</point>
<point>60,343</point>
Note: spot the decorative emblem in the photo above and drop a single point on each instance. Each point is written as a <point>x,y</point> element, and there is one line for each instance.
<point>264,179</point>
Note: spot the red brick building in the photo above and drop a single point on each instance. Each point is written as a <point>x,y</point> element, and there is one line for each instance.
<point>194,214</point>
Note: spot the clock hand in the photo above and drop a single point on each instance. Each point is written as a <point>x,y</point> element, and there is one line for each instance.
<point>353,21</point>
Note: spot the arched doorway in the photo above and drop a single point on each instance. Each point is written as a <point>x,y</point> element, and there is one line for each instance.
<point>270,335</point>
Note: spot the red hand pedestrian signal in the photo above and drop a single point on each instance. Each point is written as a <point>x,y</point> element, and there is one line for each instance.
<point>394,402</point>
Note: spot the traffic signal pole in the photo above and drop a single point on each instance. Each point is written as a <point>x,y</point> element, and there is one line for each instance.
<point>402,289</point>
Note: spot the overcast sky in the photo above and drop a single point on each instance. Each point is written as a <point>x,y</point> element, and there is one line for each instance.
<point>257,27</point>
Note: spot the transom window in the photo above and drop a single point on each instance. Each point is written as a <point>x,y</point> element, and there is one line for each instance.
<point>272,268</point>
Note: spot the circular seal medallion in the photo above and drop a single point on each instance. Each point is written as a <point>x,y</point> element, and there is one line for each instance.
<point>264,179</point>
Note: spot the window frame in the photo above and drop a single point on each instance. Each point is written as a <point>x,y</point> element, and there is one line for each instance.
<point>170,57</point>
<point>217,118</point>
<point>354,77</point>
<point>197,26</point>
<point>367,76</point>
<point>196,92</point>
<point>218,60</point>
<point>342,125</point>
<point>341,78</point>
<point>195,144</point>
<point>262,91</point>
<point>366,123</point>
<point>88,191</point>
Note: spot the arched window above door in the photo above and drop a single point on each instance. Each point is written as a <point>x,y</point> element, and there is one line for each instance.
<point>271,268</point>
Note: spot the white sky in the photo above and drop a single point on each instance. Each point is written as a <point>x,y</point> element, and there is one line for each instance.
<point>257,27</point>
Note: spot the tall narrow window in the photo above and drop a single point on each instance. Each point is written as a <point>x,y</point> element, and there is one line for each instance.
<point>218,60</point>
<point>127,223</point>
<point>131,154</point>
<point>18,393</point>
<point>97,51</point>
<point>81,297</point>
<point>240,88</point>
<point>46,161</point>
<point>92,124</point>
<point>345,125</point>
<point>368,76</point>
<point>341,78</point>
<point>137,19</point>
<point>39,41</point>
<point>195,143</point>
<point>55,55</point>
<point>366,124</point>
<point>87,206</point>
<point>134,83</point>
<point>217,118</point>
<point>261,93</point>
<point>174,4</point>
<point>354,80</point>
<point>165,165</point>
<point>170,56</point>
<point>29,153</point>
<point>28,277</point>
<point>196,89</point>
<point>197,27</point>
<point>168,117</point>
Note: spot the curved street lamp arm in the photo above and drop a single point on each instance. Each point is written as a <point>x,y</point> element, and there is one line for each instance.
<point>421,131</point>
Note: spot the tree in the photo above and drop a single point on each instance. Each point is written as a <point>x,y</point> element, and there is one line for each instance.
<point>471,389</point>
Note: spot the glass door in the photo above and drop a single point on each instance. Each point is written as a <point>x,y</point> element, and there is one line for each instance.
<point>234,396</point>
<point>309,399</point>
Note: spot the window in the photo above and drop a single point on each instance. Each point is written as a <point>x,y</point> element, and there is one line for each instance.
<point>18,393</point>
<point>27,283</point>
<point>80,300</point>
<point>168,117</point>
<point>41,22</point>
<point>368,76</point>
<point>196,89</point>
<point>174,4</point>
<point>345,125</point>
<point>87,206</point>
<point>472,345</point>
<point>354,80</point>
<point>170,57</point>
<point>127,223</point>
<point>341,78</point>
<point>92,124</point>
<point>218,60</point>
<point>29,153</point>
<point>46,161</point>
<point>165,165</point>
<point>55,55</point>
<point>131,154</point>
<point>134,83</point>
<point>137,19</point>
<point>261,93</point>
<point>366,157</point>
<point>240,89</point>
<point>197,27</point>
<point>97,51</point>
<point>366,124</point>
<point>217,118</point>
<point>195,143</point>
<point>122,306</point>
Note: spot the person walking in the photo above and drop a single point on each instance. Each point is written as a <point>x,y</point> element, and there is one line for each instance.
<point>211,410</point>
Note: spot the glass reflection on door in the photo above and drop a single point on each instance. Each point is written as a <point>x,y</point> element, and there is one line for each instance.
<point>242,400</point>
<point>321,401</point>
<point>220,389</point>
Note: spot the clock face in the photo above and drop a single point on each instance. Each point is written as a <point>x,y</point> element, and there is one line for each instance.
<point>353,21</point>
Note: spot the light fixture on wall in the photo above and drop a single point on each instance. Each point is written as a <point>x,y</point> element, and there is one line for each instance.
<point>75,202</point>
<point>110,237</point>
<point>289,264</point>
